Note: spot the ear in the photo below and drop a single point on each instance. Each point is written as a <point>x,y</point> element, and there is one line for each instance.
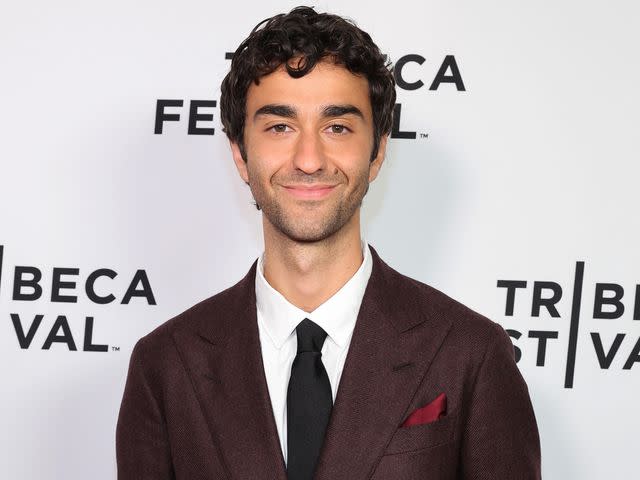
<point>375,166</point>
<point>241,165</point>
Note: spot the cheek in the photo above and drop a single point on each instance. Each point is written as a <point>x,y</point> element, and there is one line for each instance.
<point>353,162</point>
<point>265,159</point>
<point>255,170</point>
<point>357,150</point>
<point>262,169</point>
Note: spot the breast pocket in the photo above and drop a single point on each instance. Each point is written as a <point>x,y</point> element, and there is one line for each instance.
<point>417,437</point>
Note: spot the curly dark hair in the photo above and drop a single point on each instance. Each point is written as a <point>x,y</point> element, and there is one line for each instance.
<point>310,37</point>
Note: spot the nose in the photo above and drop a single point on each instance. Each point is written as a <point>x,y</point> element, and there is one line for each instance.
<point>309,153</point>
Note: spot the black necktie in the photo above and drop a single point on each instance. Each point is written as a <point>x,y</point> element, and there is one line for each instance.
<point>309,403</point>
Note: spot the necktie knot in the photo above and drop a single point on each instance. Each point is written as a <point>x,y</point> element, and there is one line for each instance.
<point>310,335</point>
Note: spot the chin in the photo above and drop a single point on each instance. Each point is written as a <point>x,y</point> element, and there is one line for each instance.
<point>307,234</point>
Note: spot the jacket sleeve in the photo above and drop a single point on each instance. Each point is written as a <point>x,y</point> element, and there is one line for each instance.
<point>500,437</point>
<point>142,446</point>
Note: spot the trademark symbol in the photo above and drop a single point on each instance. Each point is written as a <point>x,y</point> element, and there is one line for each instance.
<point>115,349</point>
<point>424,135</point>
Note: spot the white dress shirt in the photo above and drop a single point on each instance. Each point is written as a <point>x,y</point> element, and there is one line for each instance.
<point>277,321</point>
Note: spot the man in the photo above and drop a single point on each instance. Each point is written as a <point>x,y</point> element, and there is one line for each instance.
<point>322,362</point>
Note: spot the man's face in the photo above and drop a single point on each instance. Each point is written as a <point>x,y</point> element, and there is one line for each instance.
<point>308,143</point>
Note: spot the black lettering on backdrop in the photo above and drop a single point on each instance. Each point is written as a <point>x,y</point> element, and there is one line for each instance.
<point>28,286</point>
<point>19,281</point>
<point>57,284</point>
<point>449,72</point>
<point>573,326</point>
<point>162,117</point>
<point>397,72</point>
<point>542,336</point>
<point>449,63</point>
<point>634,356</point>
<point>66,337</point>
<point>61,323</point>
<point>89,346</point>
<point>90,286</point>
<point>25,340</point>
<point>195,117</point>
<point>605,359</point>
<point>146,292</point>
<point>395,131</point>
<point>550,302</point>
<point>607,304</point>
<point>511,286</point>
<point>615,301</point>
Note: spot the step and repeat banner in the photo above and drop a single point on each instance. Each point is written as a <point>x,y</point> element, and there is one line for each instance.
<point>510,183</point>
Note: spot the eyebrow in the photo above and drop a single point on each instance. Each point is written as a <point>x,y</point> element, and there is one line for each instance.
<point>277,110</point>
<point>287,111</point>
<point>341,110</point>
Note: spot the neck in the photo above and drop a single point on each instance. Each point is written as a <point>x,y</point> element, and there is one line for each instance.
<point>307,274</point>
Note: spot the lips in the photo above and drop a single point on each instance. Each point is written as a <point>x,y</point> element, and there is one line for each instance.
<point>309,191</point>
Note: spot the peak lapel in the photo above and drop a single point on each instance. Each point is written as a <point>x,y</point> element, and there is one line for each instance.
<point>223,356</point>
<point>397,334</point>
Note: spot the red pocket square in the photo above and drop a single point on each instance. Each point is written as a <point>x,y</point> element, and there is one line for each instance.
<point>429,413</point>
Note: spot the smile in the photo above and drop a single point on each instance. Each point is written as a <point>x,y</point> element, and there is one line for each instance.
<point>310,192</point>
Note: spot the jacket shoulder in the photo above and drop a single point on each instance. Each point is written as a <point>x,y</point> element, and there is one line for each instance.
<point>471,339</point>
<point>416,296</point>
<point>207,315</point>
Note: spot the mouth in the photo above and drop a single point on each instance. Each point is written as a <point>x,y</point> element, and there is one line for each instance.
<point>310,191</point>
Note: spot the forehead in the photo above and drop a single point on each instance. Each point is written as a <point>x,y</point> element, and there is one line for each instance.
<point>326,84</point>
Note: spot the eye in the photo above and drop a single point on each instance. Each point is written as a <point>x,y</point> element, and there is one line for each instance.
<point>279,128</point>
<point>338,129</point>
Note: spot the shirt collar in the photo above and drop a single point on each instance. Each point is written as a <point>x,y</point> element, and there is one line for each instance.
<point>337,315</point>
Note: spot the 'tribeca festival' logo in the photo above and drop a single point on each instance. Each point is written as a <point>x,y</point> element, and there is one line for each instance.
<point>610,303</point>
<point>200,115</point>
<point>66,285</point>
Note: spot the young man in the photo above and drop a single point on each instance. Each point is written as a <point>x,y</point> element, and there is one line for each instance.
<point>322,362</point>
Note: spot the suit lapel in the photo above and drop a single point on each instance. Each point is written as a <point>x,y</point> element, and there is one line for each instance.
<point>224,358</point>
<point>397,334</point>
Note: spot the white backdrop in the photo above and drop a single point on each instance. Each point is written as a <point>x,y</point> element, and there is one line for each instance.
<point>529,170</point>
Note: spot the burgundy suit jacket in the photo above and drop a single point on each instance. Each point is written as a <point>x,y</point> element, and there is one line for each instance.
<point>196,404</point>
